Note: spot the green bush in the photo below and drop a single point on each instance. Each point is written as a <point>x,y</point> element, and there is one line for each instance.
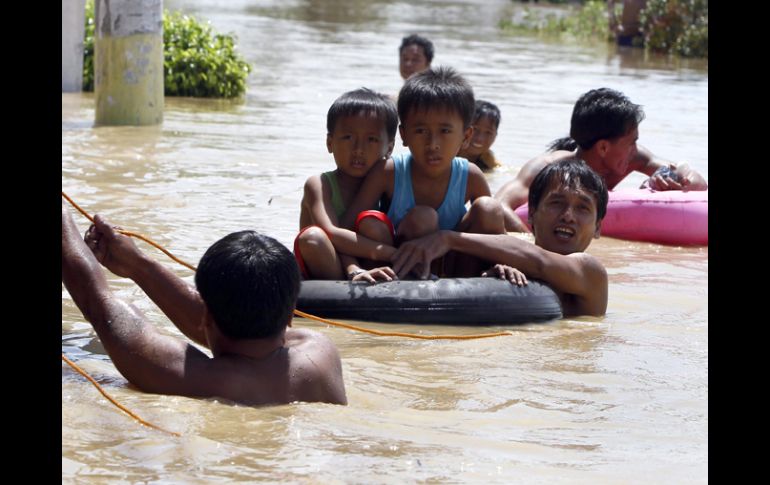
<point>671,26</point>
<point>88,48</point>
<point>196,62</point>
<point>676,26</point>
<point>586,22</point>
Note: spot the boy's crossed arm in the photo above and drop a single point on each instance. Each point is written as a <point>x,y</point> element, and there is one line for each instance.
<point>345,241</point>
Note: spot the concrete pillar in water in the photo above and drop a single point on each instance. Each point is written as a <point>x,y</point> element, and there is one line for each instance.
<point>128,62</point>
<point>73,21</point>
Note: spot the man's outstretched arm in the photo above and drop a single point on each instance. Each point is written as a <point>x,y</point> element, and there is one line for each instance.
<point>151,361</point>
<point>665,175</point>
<point>178,300</point>
<point>577,274</point>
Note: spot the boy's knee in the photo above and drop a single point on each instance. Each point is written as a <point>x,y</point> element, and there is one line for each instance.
<point>376,230</point>
<point>423,215</point>
<point>486,216</point>
<point>312,238</point>
<point>420,221</point>
<point>487,205</point>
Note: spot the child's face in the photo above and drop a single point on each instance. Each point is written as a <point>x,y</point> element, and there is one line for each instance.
<point>358,142</point>
<point>411,60</point>
<point>434,137</point>
<point>564,221</point>
<point>484,134</point>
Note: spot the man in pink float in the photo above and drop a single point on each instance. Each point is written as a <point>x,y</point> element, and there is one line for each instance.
<point>604,130</point>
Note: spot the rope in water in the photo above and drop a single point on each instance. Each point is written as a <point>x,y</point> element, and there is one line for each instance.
<point>131,234</point>
<point>296,312</point>
<point>399,334</point>
<point>113,401</point>
<point>301,313</point>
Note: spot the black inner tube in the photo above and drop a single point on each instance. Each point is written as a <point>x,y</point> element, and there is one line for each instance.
<point>458,301</point>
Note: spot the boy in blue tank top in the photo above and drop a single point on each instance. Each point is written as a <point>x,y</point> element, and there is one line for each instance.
<point>429,187</point>
<point>361,130</point>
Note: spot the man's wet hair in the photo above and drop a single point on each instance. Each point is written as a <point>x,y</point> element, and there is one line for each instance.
<point>566,143</point>
<point>485,109</point>
<point>572,173</point>
<point>414,39</point>
<point>249,283</point>
<point>603,114</point>
<point>439,88</point>
<point>364,101</point>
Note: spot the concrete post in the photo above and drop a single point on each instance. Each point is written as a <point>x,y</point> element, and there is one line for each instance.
<point>73,21</point>
<point>128,62</point>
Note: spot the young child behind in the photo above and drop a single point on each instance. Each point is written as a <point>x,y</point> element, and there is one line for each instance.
<point>361,130</point>
<point>428,188</point>
<point>414,55</point>
<point>486,121</point>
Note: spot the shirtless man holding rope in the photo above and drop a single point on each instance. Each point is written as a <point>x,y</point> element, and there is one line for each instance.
<point>241,308</point>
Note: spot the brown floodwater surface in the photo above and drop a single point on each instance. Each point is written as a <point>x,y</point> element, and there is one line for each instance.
<point>617,399</point>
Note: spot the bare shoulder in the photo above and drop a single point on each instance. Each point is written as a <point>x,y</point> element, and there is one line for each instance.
<point>590,264</point>
<point>384,175</point>
<point>314,183</point>
<point>515,192</point>
<point>315,367</point>
<point>312,344</point>
<point>474,170</point>
<point>477,185</point>
<point>300,337</point>
<point>313,191</point>
<point>530,169</point>
<point>590,295</point>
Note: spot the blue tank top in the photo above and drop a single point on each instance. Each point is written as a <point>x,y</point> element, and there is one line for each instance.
<point>452,208</point>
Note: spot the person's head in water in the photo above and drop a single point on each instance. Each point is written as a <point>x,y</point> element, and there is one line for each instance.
<point>607,122</point>
<point>567,202</point>
<point>249,283</point>
<point>415,55</point>
<point>486,120</point>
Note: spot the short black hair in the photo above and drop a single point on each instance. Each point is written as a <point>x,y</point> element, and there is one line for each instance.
<point>427,45</point>
<point>488,110</point>
<point>603,114</point>
<point>364,100</point>
<point>440,88</point>
<point>249,283</point>
<point>573,173</point>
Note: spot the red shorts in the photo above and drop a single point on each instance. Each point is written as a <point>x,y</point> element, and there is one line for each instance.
<point>298,253</point>
<point>379,215</point>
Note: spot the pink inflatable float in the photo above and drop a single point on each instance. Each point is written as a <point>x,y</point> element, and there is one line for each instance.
<point>668,217</point>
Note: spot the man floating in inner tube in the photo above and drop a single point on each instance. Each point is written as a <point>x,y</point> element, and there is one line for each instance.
<point>567,202</point>
<point>603,133</point>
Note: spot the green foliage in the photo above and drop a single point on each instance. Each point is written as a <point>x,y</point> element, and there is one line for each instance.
<point>196,62</point>
<point>587,22</point>
<point>670,26</point>
<point>676,26</point>
<point>88,48</point>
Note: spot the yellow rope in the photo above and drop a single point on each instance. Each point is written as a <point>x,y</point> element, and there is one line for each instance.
<point>399,334</point>
<point>307,315</point>
<point>113,401</point>
<point>132,234</point>
<point>296,312</point>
